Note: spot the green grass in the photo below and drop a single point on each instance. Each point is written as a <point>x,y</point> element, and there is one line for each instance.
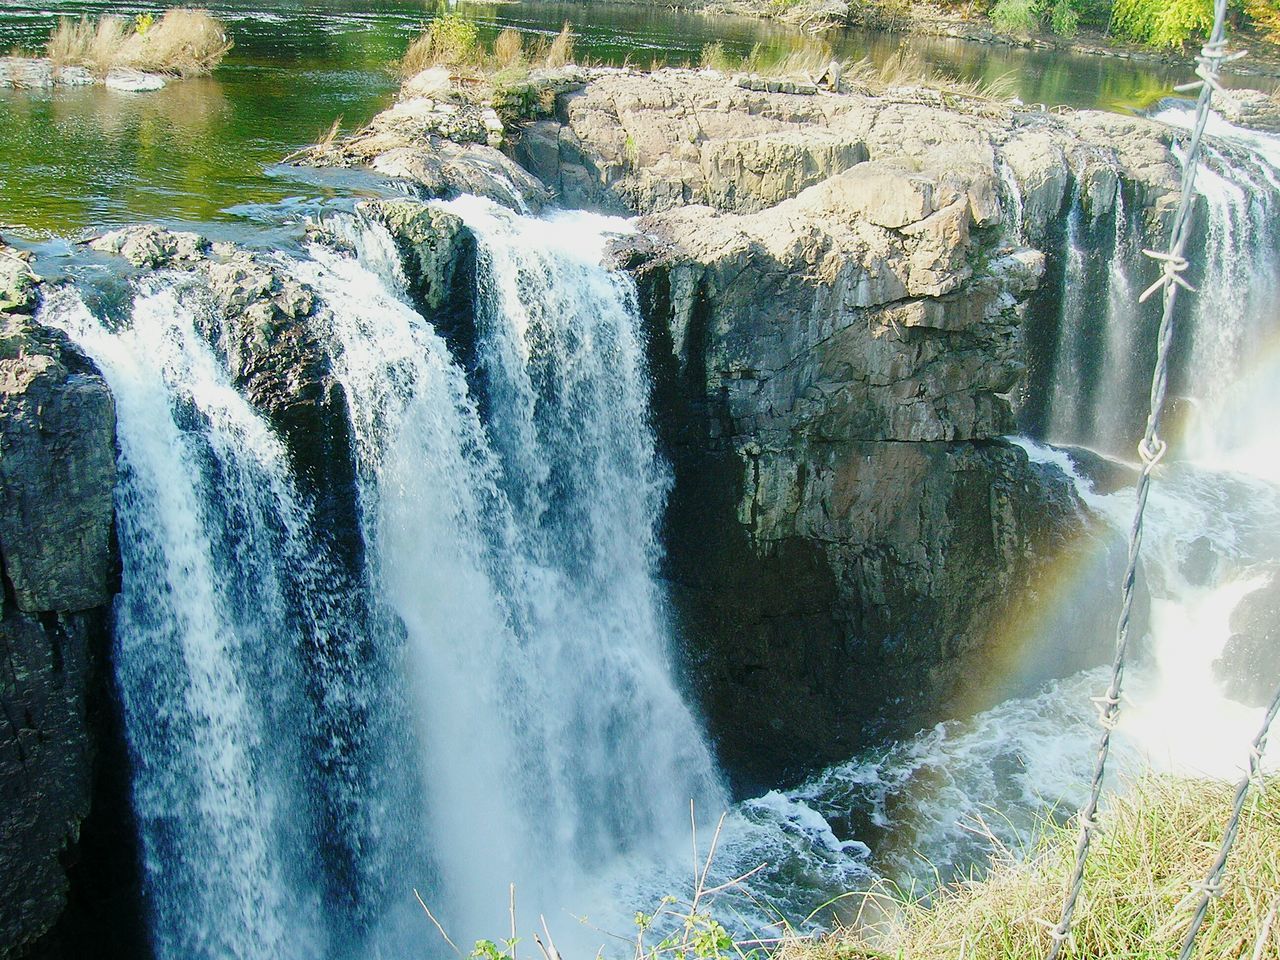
<point>1156,841</point>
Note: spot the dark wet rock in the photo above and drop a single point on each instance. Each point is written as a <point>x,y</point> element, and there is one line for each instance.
<point>850,545</point>
<point>1249,668</point>
<point>266,326</point>
<point>1105,474</point>
<point>57,472</point>
<point>57,476</point>
<point>47,750</point>
<point>435,249</point>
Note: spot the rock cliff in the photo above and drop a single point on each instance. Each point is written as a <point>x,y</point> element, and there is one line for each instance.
<point>837,287</point>
<point>57,475</point>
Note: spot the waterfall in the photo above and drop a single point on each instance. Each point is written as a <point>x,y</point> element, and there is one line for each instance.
<point>209,528</point>
<point>494,704</point>
<point>519,548</point>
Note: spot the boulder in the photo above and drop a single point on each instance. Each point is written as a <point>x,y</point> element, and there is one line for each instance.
<point>442,144</point>
<point>150,246</point>
<point>1249,668</point>
<point>1252,109</point>
<point>126,80</point>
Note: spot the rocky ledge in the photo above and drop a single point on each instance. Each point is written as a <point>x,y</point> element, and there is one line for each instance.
<point>38,73</point>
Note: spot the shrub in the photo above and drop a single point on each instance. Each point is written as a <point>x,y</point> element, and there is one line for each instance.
<point>1016,16</point>
<point>1264,15</point>
<point>1064,19</point>
<point>1162,23</point>
<point>181,43</point>
<point>449,40</point>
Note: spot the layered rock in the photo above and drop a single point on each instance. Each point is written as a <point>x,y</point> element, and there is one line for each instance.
<point>651,142</point>
<point>38,73</point>
<point>57,476</point>
<point>439,140</point>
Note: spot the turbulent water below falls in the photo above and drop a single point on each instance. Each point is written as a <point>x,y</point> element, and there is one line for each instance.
<point>491,699</point>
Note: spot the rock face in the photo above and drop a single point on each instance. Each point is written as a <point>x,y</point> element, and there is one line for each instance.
<point>847,533</point>
<point>1249,668</point>
<point>57,476</point>
<point>837,308</point>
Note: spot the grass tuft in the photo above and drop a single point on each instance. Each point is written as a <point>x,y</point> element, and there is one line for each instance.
<point>1157,841</point>
<point>508,49</point>
<point>181,43</point>
<point>561,50</point>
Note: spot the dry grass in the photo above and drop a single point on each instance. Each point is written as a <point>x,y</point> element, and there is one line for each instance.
<point>813,60</point>
<point>453,41</point>
<point>1157,841</point>
<point>181,43</point>
<point>508,49</point>
<point>561,50</point>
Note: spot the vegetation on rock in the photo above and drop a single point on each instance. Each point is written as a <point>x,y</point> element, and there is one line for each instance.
<point>181,43</point>
<point>453,41</point>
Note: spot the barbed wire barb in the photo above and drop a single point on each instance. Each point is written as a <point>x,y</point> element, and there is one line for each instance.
<point>1172,262</point>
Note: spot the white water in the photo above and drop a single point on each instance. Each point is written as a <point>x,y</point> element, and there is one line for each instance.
<point>520,553</point>
<point>204,510</point>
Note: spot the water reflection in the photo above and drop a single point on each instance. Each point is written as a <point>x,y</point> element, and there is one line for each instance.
<point>198,150</point>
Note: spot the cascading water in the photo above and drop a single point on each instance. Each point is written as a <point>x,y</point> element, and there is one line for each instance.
<point>209,526</point>
<point>518,720</point>
<point>520,552</point>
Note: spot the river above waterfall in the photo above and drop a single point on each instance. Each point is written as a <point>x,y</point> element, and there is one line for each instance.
<point>208,149</point>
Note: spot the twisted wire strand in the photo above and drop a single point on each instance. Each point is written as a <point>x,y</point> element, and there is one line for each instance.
<point>1151,449</point>
<point>1211,886</point>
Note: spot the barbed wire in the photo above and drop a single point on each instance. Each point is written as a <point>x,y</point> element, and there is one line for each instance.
<point>1211,886</point>
<point>1151,448</point>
